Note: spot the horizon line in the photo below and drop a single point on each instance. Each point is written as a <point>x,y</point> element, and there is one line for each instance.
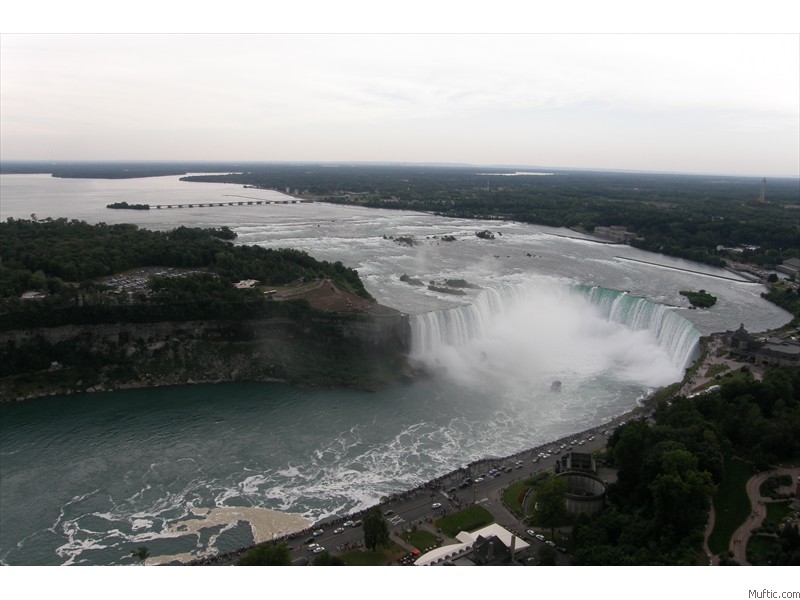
<point>388,163</point>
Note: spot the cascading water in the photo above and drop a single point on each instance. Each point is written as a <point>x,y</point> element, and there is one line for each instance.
<point>675,334</point>
<point>532,334</point>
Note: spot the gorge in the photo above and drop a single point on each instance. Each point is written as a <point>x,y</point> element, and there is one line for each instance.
<point>118,469</point>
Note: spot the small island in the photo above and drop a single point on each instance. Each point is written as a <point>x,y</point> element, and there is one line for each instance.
<point>701,299</point>
<point>125,205</point>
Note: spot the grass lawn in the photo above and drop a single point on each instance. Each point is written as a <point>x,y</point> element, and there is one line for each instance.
<point>777,512</point>
<point>514,494</point>
<point>420,539</point>
<point>758,548</point>
<point>773,483</point>
<point>367,558</point>
<point>716,369</point>
<point>469,519</point>
<point>731,504</point>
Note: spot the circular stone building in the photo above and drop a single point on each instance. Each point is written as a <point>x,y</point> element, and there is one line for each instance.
<point>585,493</point>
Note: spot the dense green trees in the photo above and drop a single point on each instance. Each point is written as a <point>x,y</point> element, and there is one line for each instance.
<point>376,531</point>
<point>550,502</point>
<point>125,205</point>
<point>65,260</point>
<point>701,299</point>
<point>668,468</point>
<point>267,555</point>
<point>40,253</point>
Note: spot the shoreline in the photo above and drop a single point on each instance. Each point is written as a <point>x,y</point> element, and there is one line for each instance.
<point>642,410</point>
<point>645,262</point>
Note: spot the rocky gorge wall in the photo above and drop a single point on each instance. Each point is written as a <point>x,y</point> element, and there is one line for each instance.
<point>315,349</point>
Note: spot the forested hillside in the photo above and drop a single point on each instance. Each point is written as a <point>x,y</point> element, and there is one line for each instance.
<point>65,262</point>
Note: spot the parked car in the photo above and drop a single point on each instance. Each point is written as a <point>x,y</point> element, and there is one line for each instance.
<point>436,505</point>
<point>317,532</point>
<point>339,530</point>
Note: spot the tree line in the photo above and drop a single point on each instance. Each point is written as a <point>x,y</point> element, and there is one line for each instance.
<point>687,216</point>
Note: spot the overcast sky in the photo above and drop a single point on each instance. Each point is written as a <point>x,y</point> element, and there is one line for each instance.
<point>705,103</point>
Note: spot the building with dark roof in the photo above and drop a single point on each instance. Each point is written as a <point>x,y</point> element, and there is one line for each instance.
<point>790,267</point>
<point>577,461</point>
<point>763,350</point>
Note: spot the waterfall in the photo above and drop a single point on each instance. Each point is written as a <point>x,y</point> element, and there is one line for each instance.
<point>518,328</point>
<point>675,334</point>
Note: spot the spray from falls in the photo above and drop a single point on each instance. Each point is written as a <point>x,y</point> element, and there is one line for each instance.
<point>675,334</point>
<point>533,334</point>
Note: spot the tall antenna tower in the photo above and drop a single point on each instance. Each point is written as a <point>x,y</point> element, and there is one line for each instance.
<point>762,197</point>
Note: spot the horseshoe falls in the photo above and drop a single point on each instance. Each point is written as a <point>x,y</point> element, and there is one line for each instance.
<point>675,334</point>
<point>529,335</point>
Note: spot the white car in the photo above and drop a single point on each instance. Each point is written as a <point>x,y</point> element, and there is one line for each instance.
<point>436,505</point>
<point>319,549</point>
<point>347,524</point>
<point>317,532</point>
<point>479,479</point>
<point>338,530</point>
<point>540,537</point>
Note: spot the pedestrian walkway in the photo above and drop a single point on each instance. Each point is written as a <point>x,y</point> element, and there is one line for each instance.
<point>738,542</point>
<point>712,520</point>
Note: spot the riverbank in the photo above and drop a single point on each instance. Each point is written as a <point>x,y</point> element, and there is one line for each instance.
<point>524,463</point>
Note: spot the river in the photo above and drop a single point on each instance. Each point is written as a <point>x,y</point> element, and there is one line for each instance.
<point>86,479</point>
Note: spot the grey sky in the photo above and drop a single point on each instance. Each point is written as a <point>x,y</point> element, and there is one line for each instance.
<point>714,103</point>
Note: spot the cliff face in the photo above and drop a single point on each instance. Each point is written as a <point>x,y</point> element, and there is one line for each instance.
<point>319,349</point>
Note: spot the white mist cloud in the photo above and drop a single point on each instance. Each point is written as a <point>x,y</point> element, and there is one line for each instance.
<point>536,335</point>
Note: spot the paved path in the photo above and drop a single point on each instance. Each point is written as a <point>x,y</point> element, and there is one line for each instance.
<point>738,542</point>
<point>712,519</point>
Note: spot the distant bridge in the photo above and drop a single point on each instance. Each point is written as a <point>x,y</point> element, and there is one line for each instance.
<point>245,201</point>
